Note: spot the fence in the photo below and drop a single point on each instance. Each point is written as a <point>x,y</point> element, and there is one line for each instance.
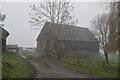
<point>79,61</point>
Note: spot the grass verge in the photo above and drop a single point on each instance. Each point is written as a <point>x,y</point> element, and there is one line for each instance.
<point>13,66</point>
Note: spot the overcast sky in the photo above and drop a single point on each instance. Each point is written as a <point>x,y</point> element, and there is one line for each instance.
<point>17,18</point>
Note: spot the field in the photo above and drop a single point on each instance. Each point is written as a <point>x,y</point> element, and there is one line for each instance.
<point>15,67</point>
<point>90,66</point>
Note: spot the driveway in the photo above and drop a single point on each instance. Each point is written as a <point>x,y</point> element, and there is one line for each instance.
<point>46,69</point>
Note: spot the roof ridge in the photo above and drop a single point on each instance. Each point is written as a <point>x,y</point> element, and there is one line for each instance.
<point>66,25</point>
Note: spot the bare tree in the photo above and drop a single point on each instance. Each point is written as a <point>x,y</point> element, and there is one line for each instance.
<point>112,9</point>
<point>100,23</point>
<point>55,12</point>
<point>2,18</point>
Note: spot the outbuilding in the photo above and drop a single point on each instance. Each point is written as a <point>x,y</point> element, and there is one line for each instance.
<point>12,48</point>
<point>69,38</point>
<point>3,36</point>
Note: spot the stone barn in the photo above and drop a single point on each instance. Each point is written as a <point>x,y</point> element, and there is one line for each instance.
<point>69,38</point>
<point>3,35</point>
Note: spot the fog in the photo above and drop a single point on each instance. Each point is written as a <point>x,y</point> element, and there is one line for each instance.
<point>22,34</point>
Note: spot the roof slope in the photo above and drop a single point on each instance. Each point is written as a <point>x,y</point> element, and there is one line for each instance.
<point>67,32</point>
<point>12,46</point>
<point>4,32</point>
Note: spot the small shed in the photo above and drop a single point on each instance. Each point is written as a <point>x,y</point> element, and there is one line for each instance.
<point>12,48</point>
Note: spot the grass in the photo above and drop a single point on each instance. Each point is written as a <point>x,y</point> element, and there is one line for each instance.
<point>15,67</point>
<point>0,66</point>
<point>113,58</point>
<point>87,68</point>
<point>93,62</point>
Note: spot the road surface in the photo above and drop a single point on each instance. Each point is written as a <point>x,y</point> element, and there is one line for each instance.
<point>45,69</point>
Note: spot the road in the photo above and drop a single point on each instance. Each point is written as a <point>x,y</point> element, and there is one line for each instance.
<point>45,69</point>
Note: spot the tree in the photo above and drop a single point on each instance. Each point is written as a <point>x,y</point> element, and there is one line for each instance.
<point>2,18</point>
<point>113,30</point>
<point>112,9</point>
<point>55,12</point>
<point>100,23</point>
<point>118,20</point>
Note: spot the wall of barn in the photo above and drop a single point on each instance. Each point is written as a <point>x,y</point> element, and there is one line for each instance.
<point>3,45</point>
<point>0,45</point>
<point>86,50</point>
<point>92,47</point>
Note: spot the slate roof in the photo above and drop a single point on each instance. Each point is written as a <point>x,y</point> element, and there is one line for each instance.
<point>12,46</point>
<point>67,32</point>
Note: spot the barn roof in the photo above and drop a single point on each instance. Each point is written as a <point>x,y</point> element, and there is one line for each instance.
<point>12,46</point>
<point>4,33</point>
<point>67,32</point>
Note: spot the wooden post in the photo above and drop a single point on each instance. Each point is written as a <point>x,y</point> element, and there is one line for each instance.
<point>103,65</point>
<point>78,59</point>
<point>59,58</point>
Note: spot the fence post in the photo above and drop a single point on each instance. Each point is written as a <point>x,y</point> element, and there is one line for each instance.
<point>103,65</point>
<point>78,59</point>
<point>59,58</point>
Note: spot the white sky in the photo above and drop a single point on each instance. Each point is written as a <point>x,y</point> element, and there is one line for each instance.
<point>20,30</point>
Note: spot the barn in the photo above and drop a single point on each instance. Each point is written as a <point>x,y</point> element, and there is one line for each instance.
<point>3,35</point>
<point>12,48</point>
<point>70,38</point>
